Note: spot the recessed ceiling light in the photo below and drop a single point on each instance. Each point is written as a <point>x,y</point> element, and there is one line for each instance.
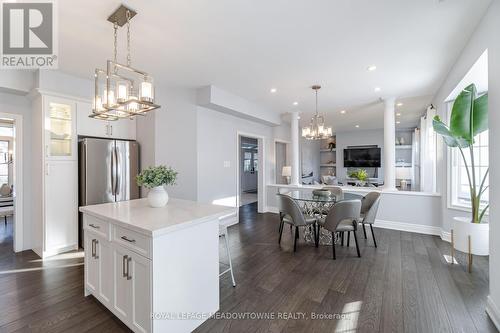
<point>398,114</point>
<point>371,68</point>
<point>357,126</point>
<point>342,111</point>
<point>377,89</point>
<point>273,90</point>
<point>398,122</point>
<point>295,103</point>
<point>399,104</point>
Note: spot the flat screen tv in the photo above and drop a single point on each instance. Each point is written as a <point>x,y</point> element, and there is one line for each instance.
<point>362,158</point>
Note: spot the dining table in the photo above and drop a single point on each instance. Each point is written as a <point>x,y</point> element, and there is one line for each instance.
<point>318,206</point>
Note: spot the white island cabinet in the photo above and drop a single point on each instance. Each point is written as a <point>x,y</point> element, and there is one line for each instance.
<point>156,269</point>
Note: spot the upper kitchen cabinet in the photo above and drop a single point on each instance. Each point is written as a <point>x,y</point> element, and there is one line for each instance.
<point>120,129</point>
<point>60,128</point>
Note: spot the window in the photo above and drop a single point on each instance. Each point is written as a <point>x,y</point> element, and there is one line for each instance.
<point>460,192</point>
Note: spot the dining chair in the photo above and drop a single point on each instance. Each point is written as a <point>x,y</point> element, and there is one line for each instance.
<point>342,217</point>
<point>290,213</point>
<point>369,209</point>
<point>336,191</point>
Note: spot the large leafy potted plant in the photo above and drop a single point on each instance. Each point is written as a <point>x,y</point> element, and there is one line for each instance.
<point>155,178</point>
<point>469,118</point>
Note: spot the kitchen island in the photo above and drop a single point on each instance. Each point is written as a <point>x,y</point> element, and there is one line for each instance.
<point>156,269</point>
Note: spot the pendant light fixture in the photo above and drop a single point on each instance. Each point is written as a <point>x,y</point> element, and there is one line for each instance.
<point>316,129</point>
<point>122,91</point>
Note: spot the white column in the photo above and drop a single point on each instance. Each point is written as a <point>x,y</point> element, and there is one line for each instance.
<point>294,132</point>
<point>389,145</point>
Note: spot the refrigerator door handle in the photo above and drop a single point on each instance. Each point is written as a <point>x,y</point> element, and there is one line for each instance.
<point>117,172</point>
<point>112,171</point>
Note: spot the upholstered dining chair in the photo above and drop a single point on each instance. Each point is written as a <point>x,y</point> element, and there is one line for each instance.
<point>290,213</point>
<point>342,217</point>
<point>369,209</point>
<point>336,191</point>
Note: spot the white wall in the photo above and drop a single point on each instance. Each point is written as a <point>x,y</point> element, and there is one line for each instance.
<point>11,103</point>
<point>485,37</point>
<point>358,138</point>
<point>217,142</point>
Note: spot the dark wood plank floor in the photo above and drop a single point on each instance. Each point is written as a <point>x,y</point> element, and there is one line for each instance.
<point>404,285</point>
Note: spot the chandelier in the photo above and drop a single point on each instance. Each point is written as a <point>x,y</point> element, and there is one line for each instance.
<point>122,91</point>
<point>316,129</point>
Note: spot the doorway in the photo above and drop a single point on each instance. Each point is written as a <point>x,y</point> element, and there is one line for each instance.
<point>11,231</point>
<point>249,170</point>
<point>250,173</point>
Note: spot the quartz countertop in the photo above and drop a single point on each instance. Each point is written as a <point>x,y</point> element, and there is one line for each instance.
<point>136,215</point>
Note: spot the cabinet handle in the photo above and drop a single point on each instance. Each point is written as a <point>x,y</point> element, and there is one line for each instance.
<point>124,263</point>
<point>129,277</point>
<point>127,239</point>
<point>111,126</point>
<point>96,256</point>
<point>93,248</point>
<point>94,226</point>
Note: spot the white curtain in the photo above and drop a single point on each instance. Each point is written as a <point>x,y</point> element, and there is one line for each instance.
<point>428,152</point>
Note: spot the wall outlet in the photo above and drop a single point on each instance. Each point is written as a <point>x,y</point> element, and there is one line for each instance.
<point>227,164</point>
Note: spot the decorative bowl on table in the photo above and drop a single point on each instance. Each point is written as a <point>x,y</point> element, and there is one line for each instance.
<point>322,193</point>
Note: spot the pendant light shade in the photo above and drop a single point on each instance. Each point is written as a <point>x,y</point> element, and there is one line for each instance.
<point>317,129</point>
<point>122,91</point>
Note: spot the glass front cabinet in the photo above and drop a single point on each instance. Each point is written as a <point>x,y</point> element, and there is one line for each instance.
<point>60,129</point>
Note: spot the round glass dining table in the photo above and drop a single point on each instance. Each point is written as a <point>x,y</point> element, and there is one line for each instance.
<point>319,206</point>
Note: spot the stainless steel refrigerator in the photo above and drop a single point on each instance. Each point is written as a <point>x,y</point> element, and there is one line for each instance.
<point>107,171</point>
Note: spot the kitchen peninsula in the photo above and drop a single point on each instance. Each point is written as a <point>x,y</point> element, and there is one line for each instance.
<point>156,269</point>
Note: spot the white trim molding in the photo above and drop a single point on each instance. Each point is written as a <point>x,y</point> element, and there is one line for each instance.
<point>409,227</point>
<point>493,312</point>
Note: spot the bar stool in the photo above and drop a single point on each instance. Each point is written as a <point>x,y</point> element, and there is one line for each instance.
<point>224,233</point>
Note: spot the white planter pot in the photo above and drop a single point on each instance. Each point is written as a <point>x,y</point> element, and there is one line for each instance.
<point>157,197</point>
<point>479,234</point>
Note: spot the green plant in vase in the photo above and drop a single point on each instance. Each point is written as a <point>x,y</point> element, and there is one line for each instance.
<point>360,174</point>
<point>155,178</point>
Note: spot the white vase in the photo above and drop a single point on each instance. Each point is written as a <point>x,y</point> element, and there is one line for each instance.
<point>478,232</point>
<point>157,197</point>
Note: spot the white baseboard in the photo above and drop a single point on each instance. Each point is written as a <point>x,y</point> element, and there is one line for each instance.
<point>410,227</point>
<point>229,220</point>
<point>59,250</point>
<point>446,236</point>
<point>493,312</point>
<point>270,209</point>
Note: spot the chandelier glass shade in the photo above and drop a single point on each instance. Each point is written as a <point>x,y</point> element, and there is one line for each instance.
<point>122,91</point>
<point>317,129</point>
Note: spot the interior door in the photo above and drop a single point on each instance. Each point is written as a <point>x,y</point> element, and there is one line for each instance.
<point>249,168</point>
<point>91,264</point>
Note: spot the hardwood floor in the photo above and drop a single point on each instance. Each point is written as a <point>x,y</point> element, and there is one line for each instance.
<point>404,285</point>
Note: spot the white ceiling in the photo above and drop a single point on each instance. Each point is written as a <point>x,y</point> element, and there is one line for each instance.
<point>248,47</point>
